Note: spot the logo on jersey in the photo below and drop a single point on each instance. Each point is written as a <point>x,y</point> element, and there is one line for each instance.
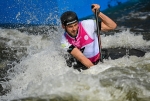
<point>86,37</point>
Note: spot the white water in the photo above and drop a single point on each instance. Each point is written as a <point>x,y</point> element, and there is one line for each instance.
<point>44,72</point>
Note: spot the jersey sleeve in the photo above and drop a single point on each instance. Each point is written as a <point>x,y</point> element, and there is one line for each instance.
<point>89,26</point>
<point>64,43</point>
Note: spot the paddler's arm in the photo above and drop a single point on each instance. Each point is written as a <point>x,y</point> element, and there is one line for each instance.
<point>107,24</point>
<point>79,56</point>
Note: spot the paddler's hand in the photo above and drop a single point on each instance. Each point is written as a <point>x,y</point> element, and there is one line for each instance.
<point>95,7</point>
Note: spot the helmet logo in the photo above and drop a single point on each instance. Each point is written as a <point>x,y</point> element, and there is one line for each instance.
<point>71,22</point>
<point>86,37</point>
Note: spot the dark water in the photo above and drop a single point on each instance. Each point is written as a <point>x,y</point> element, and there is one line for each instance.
<point>32,67</point>
<point>135,15</point>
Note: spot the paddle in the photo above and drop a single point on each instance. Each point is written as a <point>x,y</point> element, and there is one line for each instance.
<point>98,33</point>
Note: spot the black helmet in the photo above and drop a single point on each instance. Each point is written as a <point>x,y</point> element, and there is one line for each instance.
<point>68,17</point>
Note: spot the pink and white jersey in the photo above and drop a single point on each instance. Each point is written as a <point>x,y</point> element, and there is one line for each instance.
<point>86,38</point>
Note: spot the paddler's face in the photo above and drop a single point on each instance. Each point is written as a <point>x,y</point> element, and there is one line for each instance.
<point>72,29</point>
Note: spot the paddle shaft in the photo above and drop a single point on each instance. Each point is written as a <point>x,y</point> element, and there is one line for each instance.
<point>98,35</point>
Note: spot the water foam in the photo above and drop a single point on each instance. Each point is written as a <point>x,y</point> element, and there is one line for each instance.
<point>44,72</point>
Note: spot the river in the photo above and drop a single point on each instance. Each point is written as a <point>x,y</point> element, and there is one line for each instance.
<point>32,66</point>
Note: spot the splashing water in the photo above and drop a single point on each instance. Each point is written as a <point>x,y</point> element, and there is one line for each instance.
<point>43,73</point>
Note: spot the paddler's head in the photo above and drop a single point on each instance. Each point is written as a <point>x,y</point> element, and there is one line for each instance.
<point>69,21</point>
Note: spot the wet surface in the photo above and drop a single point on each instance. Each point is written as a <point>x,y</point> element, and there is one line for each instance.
<point>115,53</point>
<point>136,25</point>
